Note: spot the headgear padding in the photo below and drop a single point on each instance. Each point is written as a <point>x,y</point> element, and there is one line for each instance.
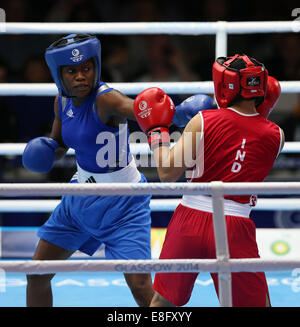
<point>73,49</point>
<point>249,82</point>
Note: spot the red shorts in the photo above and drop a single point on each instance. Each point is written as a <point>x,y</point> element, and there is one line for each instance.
<point>190,235</point>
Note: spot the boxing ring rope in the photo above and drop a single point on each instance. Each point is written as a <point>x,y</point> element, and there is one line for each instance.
<point>161,205</point>
<point>145,266</point>
<point>183,28</point>
<point>220,28</point>
<point>222,264</point>
<point>49,89</point>
<point>109,189</point>
<point>16,149</point>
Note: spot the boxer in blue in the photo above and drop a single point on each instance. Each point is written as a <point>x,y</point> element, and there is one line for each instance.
<point>87,109</point>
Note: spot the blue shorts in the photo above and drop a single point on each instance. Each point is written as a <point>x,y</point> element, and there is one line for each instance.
<point>122,223</point>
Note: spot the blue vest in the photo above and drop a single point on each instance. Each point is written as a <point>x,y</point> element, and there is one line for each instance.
<point>98,148</point>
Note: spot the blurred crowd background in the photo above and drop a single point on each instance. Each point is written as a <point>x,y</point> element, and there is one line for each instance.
<point>130,58</point>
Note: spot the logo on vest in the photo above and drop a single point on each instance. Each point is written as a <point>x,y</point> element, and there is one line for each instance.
<point>91,180</point>
<point>70,113</point>
<point>76,55</point>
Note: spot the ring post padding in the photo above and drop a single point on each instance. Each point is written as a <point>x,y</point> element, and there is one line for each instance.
<point>221,39</point>
<point>222,251</point>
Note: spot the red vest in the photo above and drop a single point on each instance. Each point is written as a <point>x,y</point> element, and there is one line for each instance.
<point>237,148</point>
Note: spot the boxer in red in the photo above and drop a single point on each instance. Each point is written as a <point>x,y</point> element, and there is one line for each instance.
<point>238,144</point>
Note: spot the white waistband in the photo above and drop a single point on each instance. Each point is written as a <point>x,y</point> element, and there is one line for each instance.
<point>204,203</point>
<point>128,174</point>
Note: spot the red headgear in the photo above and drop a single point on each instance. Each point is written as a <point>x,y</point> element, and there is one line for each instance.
<point>249,82</point>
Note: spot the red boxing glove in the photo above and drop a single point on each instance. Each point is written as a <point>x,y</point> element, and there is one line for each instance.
<point>154,111</point>
<point>272,95</point>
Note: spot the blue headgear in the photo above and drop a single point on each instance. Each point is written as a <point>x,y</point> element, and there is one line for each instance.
<point>73,49</point>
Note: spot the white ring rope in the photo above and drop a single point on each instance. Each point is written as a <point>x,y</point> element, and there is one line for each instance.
<point>16,149</point>
<point>50,89</point>
<point>181,28</point>
<point>146,266</point>
<point>57,189</point>
<point>162,205</point>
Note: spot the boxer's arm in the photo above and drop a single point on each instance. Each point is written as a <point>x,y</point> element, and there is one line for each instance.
<point>114,104</point>
<point>55,133</point>
<point>154,112</point>
<point>171,164</point>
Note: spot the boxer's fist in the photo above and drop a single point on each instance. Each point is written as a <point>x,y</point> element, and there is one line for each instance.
<point>154,111</point>
<point>153,108</point>
<point>272,95</point>
<point>185,111</point>
<point>39,154</point>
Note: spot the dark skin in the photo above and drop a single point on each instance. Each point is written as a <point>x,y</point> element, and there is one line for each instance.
<point>113,109</point>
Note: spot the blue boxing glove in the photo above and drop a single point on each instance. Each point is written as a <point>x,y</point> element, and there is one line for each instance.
<point>185,111</point>
<point>39,154</point>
